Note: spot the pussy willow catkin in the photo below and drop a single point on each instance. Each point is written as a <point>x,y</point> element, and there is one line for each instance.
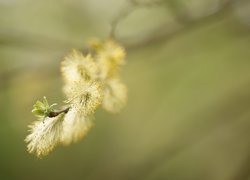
<point>91,81</point>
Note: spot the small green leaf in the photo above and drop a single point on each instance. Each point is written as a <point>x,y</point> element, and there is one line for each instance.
<point>42,109</point>
<point>38,113</point>
<point>45,102</point>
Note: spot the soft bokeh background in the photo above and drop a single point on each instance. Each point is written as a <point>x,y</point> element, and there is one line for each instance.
<point>188,75</point>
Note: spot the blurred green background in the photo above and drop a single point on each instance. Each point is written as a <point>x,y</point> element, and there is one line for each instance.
<point>187,71</point>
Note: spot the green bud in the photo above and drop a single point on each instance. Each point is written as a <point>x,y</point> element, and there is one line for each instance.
<point>42,109</point>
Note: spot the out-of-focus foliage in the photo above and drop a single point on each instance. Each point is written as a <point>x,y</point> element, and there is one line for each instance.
<point>188,113</point>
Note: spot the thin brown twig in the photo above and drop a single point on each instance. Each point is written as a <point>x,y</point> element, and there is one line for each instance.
<point>54,113</point>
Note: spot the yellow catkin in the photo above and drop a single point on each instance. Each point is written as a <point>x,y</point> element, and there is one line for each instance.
<point>44,135</point>
<point>109,57</point>
<point>77,67</point>
<point>88,95</point>
<point>89,81</point>
<point>75,125</point>
<point>115,95</point>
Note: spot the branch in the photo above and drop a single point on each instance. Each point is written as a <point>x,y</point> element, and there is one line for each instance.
<point>164,33</point>
<point>243,172</point>
<point>161,34</point>
<point>54,114</point>
<point>123,14</point>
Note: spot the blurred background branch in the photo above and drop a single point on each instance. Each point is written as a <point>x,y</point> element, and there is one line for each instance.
<point>160,34</point>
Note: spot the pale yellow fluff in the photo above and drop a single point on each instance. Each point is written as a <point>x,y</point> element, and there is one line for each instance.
<point>44,135</point>
<point>115,95</point>
<point>77,67</point>
<point>88,95</point>
<point>75,125</point>
<point>109,57</point>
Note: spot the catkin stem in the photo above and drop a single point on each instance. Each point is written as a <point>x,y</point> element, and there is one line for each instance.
<point>54,114</point>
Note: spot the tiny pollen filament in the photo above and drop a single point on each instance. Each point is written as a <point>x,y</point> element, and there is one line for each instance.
<point>90,81</point>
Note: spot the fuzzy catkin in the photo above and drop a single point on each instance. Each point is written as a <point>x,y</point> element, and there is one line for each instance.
<point>90,81</point>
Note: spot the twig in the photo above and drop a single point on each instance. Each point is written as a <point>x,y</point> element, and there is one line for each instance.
<point>123,14</point>
<point>161,34</point>
<point>54,114</point>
